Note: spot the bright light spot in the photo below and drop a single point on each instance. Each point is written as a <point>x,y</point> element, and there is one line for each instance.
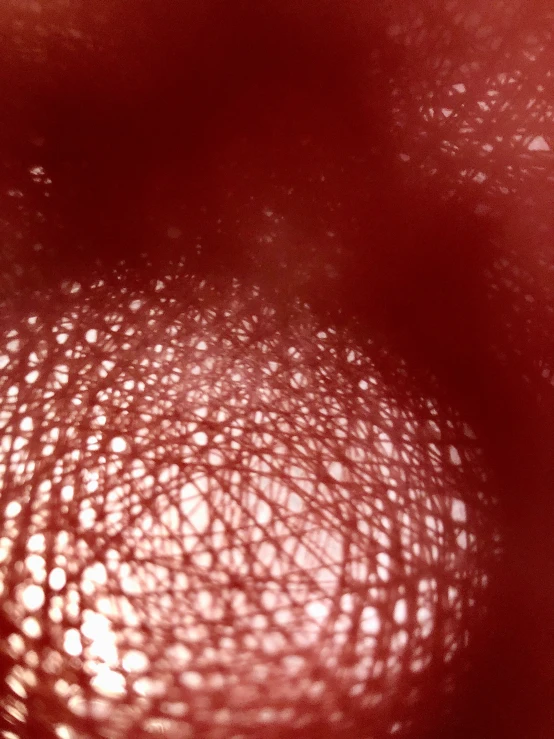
<point>295,503</point>
<point>178,655</point>
<point>459,512</point>
<point>57,578</point>
<point>399,640</point>
<point>371,623</point>
<point>215,458</point>
<point>91,335</point>
<point>337,471</point>
<point>31,627</point>
<point>87,518</point>
<point>136,305</point>
<point>95,625</point>
<point>19,442</point>
<point>108,682</point>
<point>298,380</point>
<point>424,616</point>
<point>37,567</point>
<point>191,679</point>
<point>13,509</point>
<point>539,143</point>
<point>317,610</point>
<point>96,574</point>
<point>31,377</point>
<point>5,548</point>
<point>151,688</point>
<point>135,661</point>
<point>385,445</point>
<point>460,87</point>
<point>455,456</point>
<point>72,643</point>
<point>400,611</point>
<point>452,595</point>
<point>36,543</point>
<point>32,598</point>
<point>26,424</point>
<point>200,438</point>
<point>195,510</point>
<point>67,493</point>
<point>118,444</point>
<point>61,373</point>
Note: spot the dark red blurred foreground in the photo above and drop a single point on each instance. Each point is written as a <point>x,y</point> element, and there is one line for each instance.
<point>276,307</point>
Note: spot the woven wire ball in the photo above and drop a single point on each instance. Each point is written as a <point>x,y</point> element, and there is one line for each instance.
<point>229,523</point>
<point>226,512</point>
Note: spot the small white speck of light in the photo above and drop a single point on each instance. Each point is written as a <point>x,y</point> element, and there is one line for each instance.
<point>135,661</point>
<point>87,518</point>
<point>459,511</point>
<point>57,578</point>
<point>200,438</point>
<point>13,509</point>
<point>67,493</point>
<point>31,627</point>
<point>191,679</point>
<point>118,444</point>
<point>91,335</point>
<point>33,598</point>
<point>400,611</point>
<point>72,643</point>
<point>371,623</point>
<point>26,424</point>
<point>461,539</point>
<point>539,143</point>
<point>109,683</point>
<point>455,456</point>
<point>36,543</point>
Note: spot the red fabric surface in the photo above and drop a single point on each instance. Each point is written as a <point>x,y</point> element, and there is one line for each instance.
<point>276,303</point>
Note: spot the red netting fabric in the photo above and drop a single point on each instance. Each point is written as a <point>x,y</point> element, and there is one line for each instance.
<point>276,370</point>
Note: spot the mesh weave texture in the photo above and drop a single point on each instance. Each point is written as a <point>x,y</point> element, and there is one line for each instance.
<point>276,374</point>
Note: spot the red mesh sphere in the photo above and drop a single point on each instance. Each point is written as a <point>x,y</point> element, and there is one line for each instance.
<point>276,401</point>
<point>300,543</point>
